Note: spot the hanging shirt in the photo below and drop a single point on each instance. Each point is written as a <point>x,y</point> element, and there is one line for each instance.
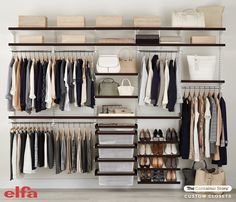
<point>167,80</point>
<point>45,150</point>
<point>74,82</point>
<point>48,98</point>
<point>213,128</point>
<point>13,86</point>
<point>17,89</point>
<point>155,86</point>
<point>79,153</point>
<point>53,87</point>
<point>84,84</point>
<point>28,101</point>
<point>162,83</point>
<point>195,132</point>
<point>192,120</point>
<point>32,83</point>
<point>143,83</point>
<point>207,128</point>
<point>27,156</point>
<point>147,99</point>
<point>178,82</point>
<point>201,121</point>
<point>9,86</point>
<point>67,102</point>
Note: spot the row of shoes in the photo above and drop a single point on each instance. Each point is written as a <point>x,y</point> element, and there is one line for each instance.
<point>158,149</point>
<point>158,176</point>
<point>158,162</point>
<point>157,135</point>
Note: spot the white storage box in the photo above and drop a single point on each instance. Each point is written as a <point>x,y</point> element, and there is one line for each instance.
<point>116,153</point>
<point>116,139</point>
<point>116,181</point>
<point>116,166</point>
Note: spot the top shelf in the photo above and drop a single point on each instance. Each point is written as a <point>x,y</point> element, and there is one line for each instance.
<point>116,28</point>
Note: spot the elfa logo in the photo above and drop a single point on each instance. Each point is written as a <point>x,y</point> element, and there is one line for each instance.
<point>24,192</point>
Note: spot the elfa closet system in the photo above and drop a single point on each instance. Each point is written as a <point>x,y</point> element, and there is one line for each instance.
<point>116,155</point>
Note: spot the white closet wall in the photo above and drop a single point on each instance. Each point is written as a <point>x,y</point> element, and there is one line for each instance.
<point>9,12</point>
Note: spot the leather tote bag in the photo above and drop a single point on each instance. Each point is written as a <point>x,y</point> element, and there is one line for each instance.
<point>126,90</point>
<point>201,67</point>
<point>108,87</point>
<point>127,61</point>
<point>188,18</point>
<point>213,15</point>
<point>203,177</point>
<point>108,64</point>
<point>189,174</point>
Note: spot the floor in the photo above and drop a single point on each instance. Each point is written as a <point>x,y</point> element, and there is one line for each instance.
<point>118,196</point>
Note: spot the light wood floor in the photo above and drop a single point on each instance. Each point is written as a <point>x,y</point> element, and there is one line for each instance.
<point>116,196</point>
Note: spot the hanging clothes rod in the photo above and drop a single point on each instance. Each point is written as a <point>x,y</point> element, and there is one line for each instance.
<point>158,51</point>
<point>74,51</point>
<point>51,122</point>
<point>31,51</point>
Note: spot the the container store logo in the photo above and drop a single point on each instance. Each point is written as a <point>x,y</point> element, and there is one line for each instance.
<point>208,188</point>
<point>21,193</point>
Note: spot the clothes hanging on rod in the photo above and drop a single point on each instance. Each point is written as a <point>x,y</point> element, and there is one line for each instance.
<point>66,149</point>
<point>160,83</point>
<point>43,83</point>
<point>204,128</point>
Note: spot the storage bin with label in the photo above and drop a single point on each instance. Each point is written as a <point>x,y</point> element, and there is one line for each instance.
<point>116,166</point>
<point>116,139</point>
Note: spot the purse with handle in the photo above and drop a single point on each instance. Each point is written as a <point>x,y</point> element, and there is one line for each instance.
<point>127,61</point>
<point>108,64</point>
<point>204,177</point>
<point>189,174</point>
<point>126,90</point>
<point>108,87</point>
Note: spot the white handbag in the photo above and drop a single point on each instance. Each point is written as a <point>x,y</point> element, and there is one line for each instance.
<point>201,67</point>
<point>126,90</point>
<point>108,64</point>
<point>188,18</point>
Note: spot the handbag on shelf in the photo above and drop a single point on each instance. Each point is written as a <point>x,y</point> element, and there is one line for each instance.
<point>204,177</point>
<point>108,87</point>
<point>127,61</point>
<point>201,67</point>
<point>188,18</point>
<point>108,64</point>
<point>213,15</point>
<point>126,90</point>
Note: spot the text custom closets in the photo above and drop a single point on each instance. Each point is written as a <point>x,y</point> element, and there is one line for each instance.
<point>142,117</point>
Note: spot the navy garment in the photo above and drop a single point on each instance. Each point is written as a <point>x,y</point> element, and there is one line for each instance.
<point>23,137</point>
<point>79,81</point>
<point>32,148</point>
<point>41,140</point>
<point>155,80</point>
<point>62,86</point>
<point>38,100</point>
<point>92,94</point>
<point>223,150</point>
<point>12,136</point>
<point>57,81</point>
<point>185,129</point>
<point>43,87</point>
<point>172,89</point>
<point>23,84</point>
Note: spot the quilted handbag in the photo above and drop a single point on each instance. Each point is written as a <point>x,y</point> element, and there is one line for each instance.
<point>188,18</point>
<point>108,64</point>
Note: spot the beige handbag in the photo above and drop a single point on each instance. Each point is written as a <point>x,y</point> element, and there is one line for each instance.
<point>203,177</point>
<point>213,15</point>
<point>127,61</point>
